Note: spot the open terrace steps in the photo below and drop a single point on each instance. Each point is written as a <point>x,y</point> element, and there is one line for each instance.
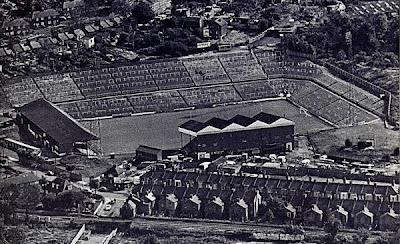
<point>206,70</point>
<point>192,82</point>
<point>208,96</point>
<point>22,92</point>
<point>162,101</point>
<point>170,74</point>
<point>242,66</point>
<point>58,88</point>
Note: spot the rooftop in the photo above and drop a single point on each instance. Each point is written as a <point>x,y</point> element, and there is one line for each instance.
<point>57,124</point>
<point>45,13</point>
<point>237,123</point>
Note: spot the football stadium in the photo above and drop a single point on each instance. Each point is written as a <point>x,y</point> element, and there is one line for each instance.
<point>172,91</point>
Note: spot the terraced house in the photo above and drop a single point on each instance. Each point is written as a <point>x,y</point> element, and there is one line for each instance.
<point>48,17</point>
<point>205,195</point>
<point>15,27</point>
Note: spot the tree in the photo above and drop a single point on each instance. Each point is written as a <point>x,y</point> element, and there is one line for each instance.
<point>348,143</point>
<point>29,197</point>
<point>121,7</point>
<point>8,200</point>
<point>13,235</point>
<point>142,13</point>
<point>332,226</point>
<point>49,202</point>
<point>70,199</point>
<point>173,48</point>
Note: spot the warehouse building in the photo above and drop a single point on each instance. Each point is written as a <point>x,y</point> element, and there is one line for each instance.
<point>263,132</point>
<point>47,125</point>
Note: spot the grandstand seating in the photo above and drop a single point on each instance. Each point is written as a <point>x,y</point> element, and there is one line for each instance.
<point>58,88</point>
<point>255,90</point>
<point>206,70</point>
<point>207,96</point>
<point>95,83</point>
<point>170,74</point>
<point>71,109</point>
<point>104,107</point>
<point>157,102</point>
<point>133,79</point>
<point>242,66</point>
<point>22,92</point>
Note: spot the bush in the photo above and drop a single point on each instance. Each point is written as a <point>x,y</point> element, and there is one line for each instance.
<point>294,230</point>
<point>348,143</point>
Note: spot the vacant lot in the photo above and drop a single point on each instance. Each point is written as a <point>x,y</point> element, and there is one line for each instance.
<point>122,135</point>
<point>385,140</point>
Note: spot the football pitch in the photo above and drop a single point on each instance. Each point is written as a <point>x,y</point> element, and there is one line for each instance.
<point>124,135</point>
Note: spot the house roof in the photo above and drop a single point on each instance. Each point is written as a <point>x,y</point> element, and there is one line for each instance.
<point>15,23</point>
<point>45,13</point>
<point>218,201</point>
<point>316,209</point>
<point>195,199</point>
<point>57,124</point>
<point>241,203</point>
<point>341,210</point>
<point>220,22</point>
<point>19,180</point>
<point>89,29</point>
<point>35,44</point>
<point>73,4</point>
<point>289,207</point>
<point>79,32</point>
<point>172,198</point>
<point>366,212</point>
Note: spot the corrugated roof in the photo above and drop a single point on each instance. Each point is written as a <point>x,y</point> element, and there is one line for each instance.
<point>218,123</point>
<point>242,120</point>
<point>193,125</point>
<point>244,123</point>
<point>266,118</point>
<point>56,123</point>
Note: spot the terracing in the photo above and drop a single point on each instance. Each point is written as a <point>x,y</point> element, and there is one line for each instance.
<point>200,81</point>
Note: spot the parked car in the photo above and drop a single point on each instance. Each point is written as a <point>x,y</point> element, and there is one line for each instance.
<point>107,207</point>
<point>103,189</point>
